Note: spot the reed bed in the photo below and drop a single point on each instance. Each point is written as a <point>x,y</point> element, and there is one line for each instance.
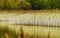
<point>21,25</point>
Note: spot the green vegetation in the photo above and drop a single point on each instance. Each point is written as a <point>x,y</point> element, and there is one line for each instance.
<point>29,4</point>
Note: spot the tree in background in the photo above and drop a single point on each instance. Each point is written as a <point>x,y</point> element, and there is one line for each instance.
<point>29,4</point>
<point>23,5</point>
<point>53,4</point>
